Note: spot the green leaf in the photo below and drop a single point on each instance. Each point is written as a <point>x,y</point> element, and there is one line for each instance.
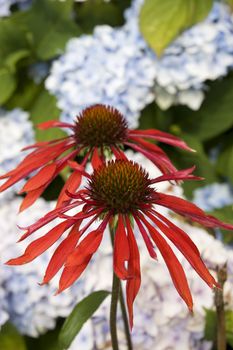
<point>225,163</point>
<point>10,339</point>
<point>43,109</point>
<point>48,25</point>
<point>183,159</point>
<point>225,214</point>
<point>211,326</point>
<point>13,42</point>
<point>215,115</point>
<point>7,84</point>
<point>162,21</point>
<point>96,12</point>
<point>80,314</point>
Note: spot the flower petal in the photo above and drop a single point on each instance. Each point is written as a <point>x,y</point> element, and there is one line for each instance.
<point>176,271</point>
<point>185,245</point>
<point>41,244</point>
<point>190,210</point>
<point>61,253</point>
<point>43,176</point>
<point>121,250</point>
<point>132,284</point>
<point>162,137</point>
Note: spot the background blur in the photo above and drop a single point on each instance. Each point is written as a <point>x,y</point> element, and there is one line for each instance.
<point>163,64</point>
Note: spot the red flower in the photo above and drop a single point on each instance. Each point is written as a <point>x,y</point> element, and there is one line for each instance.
<point>121,190</point>
<point>97,130</point>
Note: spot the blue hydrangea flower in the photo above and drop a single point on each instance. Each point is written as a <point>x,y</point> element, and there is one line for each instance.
<point>213,196</point>
<point>116,66</point>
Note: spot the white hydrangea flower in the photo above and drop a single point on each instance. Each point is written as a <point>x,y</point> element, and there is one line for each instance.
<point>115,66</point>
<point>214,196</point>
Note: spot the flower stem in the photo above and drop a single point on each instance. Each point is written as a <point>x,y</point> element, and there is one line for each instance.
<point>125,320</point>
<point>122,303</point>
<point>219,303</point>
<point>113,311</point>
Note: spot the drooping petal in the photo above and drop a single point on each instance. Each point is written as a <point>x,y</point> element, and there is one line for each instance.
<point>190,210</point>
<point>87,247</point>
<point>162,137</point>
<point>31,197</point>
<point>54,124</point>
<point>160,160</point>
<point>176,270</point>
<point>74,165</point>
<point>146,238</point>
<point>41,244</point>
<point>95,159</point>
<point>121,250</point>
<point>185,174</point>
<point>71,185</point>
<point>185,245</point>
<point>61,253</point>
<point>71,273</point>
<point>43,176</point>
<point>132,284</point>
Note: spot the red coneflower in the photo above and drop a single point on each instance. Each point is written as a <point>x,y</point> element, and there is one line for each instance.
<point>97,130</point>
<point>121,191</point>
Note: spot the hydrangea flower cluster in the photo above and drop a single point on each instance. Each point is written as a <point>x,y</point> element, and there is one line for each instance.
<point>213,196</point>
<point>16,132</point>
<point>116,66</point>
<point>31,308</point>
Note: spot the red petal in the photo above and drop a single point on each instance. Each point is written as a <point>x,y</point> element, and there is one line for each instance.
<point>176,271</point>
<point>95,159</point>
<point>118,153</point>
<point>54,124</point>
<point>41,244</point>
<point>178,175</point>
<point>44,175</point>
<point>190,210</point>
<point>71,185</point>
<point>70,275</point>
<point>162,137</point>
<point>146,238</point>
<point>87,247</point>
<point>30,198</point>
<point>160,160</point>
<point>74,165</point>
<point>61,253</point>
<point>121,250</point>
<point>185,245</point>
<point>132,284</point>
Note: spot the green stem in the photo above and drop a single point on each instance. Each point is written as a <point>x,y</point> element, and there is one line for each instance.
<point>125,320</point>
<point>113,311</point>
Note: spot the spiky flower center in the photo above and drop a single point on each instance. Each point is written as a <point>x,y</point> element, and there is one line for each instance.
<point>100,125</point>
<point>121,186</point>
